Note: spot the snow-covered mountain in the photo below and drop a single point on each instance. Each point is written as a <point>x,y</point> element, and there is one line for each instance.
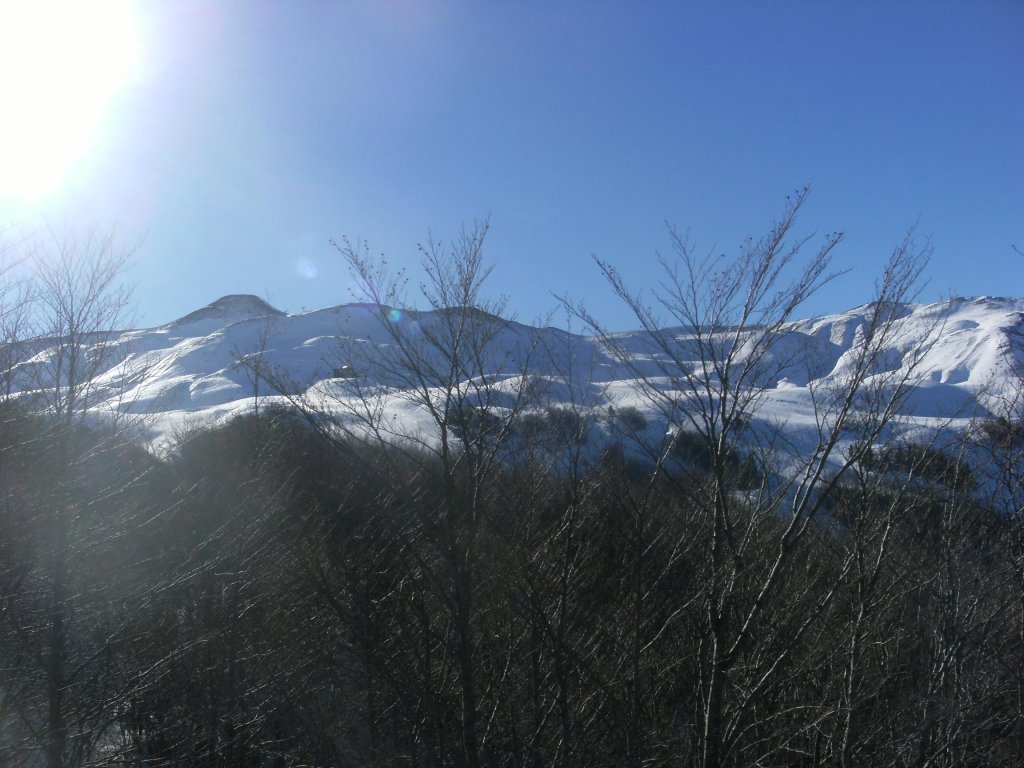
<point>219,360</point>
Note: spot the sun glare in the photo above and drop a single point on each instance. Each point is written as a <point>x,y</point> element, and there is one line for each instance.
<point>62,62</point>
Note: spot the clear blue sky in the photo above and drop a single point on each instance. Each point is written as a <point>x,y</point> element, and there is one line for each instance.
<point>249,134</point>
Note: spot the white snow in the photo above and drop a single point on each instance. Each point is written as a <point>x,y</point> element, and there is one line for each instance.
<point>202,367</point>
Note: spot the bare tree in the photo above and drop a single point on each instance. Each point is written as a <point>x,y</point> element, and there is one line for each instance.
<point>463,367</point>
<point>706,373</point>
<point>82,302</point>
<point>78,305</point>
<point>1000,441</point>
<point>16,294</point>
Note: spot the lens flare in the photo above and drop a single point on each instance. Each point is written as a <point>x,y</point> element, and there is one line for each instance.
<point>305,268</point>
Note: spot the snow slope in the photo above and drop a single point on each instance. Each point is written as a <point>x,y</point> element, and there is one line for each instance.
<point>203,367</point>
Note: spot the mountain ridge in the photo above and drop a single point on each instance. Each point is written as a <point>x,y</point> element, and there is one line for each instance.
<point>203,365</point>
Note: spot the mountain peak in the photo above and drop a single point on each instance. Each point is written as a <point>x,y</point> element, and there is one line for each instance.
<point>235,307</point>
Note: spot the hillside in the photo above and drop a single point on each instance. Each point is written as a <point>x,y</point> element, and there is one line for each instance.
<point>203,365</point>
<point>548,532</point>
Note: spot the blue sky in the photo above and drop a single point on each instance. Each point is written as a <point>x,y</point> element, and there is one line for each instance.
<point>248,134</point>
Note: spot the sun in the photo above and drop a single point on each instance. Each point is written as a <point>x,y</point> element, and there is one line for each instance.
<point>62,63</point>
